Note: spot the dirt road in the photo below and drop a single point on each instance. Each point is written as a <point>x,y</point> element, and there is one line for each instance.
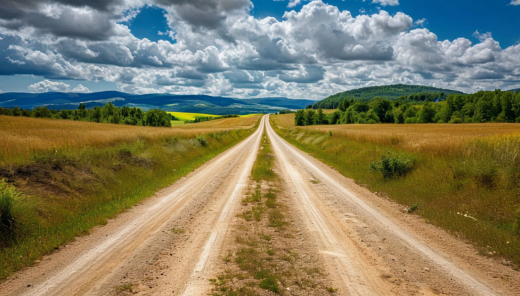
<point>170,244</point>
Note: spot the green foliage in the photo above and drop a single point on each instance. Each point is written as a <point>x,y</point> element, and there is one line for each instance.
<point>410,92</point>
<point>106,114</point>
<point>209,118</point>
<point>8,196</point>
<point>270,283</point>
<point>157,117</point>
<point>392,166</point>
<point>202,141</point>
<point>412,208</point>
<point>483,106</point>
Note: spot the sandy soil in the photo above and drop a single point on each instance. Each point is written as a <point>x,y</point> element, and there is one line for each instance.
<point>172,243</point>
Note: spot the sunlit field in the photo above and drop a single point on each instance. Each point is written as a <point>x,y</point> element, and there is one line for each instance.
<point>64,177</point>
<point>184,116</point>
<point>22,136</point>
<point>465,177</point>
<point>431,138</point>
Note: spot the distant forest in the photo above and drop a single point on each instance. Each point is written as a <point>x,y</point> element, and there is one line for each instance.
<point>421,93</point>
<point>106,114</point>
<point>483,106</point>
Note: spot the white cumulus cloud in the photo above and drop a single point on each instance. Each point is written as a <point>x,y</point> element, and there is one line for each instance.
<point>515,2</point>
<point>80,89</point>
<point>49,86</point>
<point>390,2</point>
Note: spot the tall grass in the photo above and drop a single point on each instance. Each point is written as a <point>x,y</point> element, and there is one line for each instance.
<point>22,137</point>
<point>466,178</point>
<point>65,192</point>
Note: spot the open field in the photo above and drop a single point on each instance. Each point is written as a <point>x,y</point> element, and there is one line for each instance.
<point>429,138</point>
<point>65,177</point>
<point>184,116</point>
<point>465,178</point>
<point>21,136</point>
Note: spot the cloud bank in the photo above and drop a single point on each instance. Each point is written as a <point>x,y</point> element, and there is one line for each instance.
<point>219,48</point>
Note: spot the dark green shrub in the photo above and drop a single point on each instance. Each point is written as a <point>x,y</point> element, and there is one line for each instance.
<point>456,121</point>
<point>8,196</point>
<point>202,141</point>
<point>392,166</point>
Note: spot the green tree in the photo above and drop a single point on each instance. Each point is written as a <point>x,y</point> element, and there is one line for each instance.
<point>427,113</point>
<point>320,117</point>
<point>298,118</point>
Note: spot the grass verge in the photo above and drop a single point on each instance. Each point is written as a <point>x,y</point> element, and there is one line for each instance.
<point>62,194</point>
<point>266,256</point>
<point>471,189</point>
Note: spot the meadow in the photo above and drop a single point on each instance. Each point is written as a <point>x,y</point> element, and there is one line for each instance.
<point>60,178</point>
<point>22,137</point>
<point>184,116</point>
<point>464,178</point>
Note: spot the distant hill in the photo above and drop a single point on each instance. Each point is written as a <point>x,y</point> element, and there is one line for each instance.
<point>385,91</point>
<point>167,102</point>
<point>515,90</point>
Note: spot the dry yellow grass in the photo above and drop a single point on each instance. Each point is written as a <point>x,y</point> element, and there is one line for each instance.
<point>465,178</point>
<point>433,138</point>
<point>21,136</point>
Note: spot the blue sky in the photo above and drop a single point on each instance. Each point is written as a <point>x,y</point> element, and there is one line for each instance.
<point>239,48</point>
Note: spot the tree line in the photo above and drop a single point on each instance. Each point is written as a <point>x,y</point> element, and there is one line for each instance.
<point>106,114</point>
<point>483,106</point>
<point>413,92</point>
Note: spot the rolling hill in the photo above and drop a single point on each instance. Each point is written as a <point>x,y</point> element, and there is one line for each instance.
<point>385,91</point>
<point>167,102</point>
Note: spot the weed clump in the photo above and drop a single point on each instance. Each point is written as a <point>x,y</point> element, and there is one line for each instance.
<point>270,284</point>
<point>8,196</point>
<point>392,166</point>
<point>412,208</point>
<point>202,141</point>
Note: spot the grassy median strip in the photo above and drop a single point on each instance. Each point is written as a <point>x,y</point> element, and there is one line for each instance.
<point>54,196</point>
<point>266,255</point>
<point>470,185</point>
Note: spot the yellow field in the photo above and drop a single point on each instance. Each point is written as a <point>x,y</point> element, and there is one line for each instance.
<point>21,136</point>
<point>433,138</point>
<point>190,116</point>
<point>183,116</point>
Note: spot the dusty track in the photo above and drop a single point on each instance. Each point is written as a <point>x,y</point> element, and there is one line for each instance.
<point>367,245</point>
<point>124,249</point>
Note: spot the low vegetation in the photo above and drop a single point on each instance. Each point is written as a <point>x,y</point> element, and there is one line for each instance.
<point>266,260</point>
<point>55,191</point>
<point>464,178</point>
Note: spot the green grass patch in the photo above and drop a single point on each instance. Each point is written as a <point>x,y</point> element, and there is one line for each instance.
<point>263,167</point>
